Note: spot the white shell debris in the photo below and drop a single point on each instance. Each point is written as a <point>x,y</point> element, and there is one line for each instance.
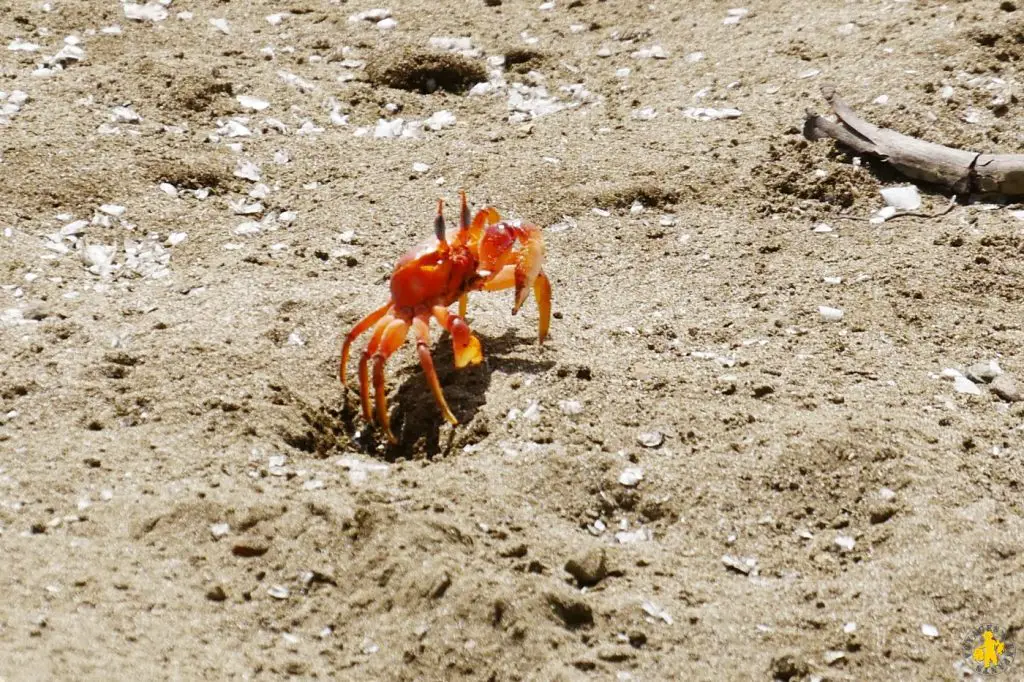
<point>276,19</point>
<point>234,128</point>
<point>650,439</point>
<point>929,630</point>
<point>645,114</point>
<point>832,656</point>
<point>440,120</point>
<point>359,470</point>
<point>297,82</point>
<point>462,45</point>
<point>830,314</point>
<point>219,530</point>
<point>882,215</point>
<point>631,476</point>
<point>629,537</point>
<point>734,15</point>
<point>254,103</point>
<point>374,15</point>
<point>240,207</point>
<point>387,24</point>
<point>655,611</point>
<point>221,25</point>
<point>744,565</point>
<point>151,11</point>
<point>247,170</point>
<point>653,52</point>
<point>396,127</point>
<point>19,45</point>
<point>905,197</point>
<point>845,542</point>
<point>850,628</point>
<point>962,384</point>
<point>175,238</point>
<point>708,114</point>
<point>278,592</point>
<point>75,228</point>
<point>420,167</point>
<point>570,406</point>
<point>113,210</point>
<point>98,258</point>
<point>124,115</point>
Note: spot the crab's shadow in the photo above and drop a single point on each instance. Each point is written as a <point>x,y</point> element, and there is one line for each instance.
<point>415,417</point>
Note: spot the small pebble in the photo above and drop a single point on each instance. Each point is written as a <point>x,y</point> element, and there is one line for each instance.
<point>589,568</point>
<point>631,476</point>
<point>929,630</point>
<point>845,542</point>
<point>221,25</point>
<point>219,530</point>
<point>570,406</point>
<point>278,592</point>
<point>829,314</point>
<point>1006,387</point>
<point>744,565</point>
<point>833,656</point>
<point>904,198</point>
<point>113,210</point>
<point>962,384</point>
<point>655,611</point>
<point>650,439</point>
<point>984,372</point>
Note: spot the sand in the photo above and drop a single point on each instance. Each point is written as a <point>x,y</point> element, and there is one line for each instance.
<point>187,493</point>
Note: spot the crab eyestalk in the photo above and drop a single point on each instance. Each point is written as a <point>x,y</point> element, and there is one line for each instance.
<point>464,219</point>
<point>439,226</point>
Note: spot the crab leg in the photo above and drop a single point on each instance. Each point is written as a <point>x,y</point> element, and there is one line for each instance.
<point>463,304</point>
<point>421,324</point>
<point>464,344</point>
<point>364,365</point>
<point>360,327</point>
<point>391,339</point>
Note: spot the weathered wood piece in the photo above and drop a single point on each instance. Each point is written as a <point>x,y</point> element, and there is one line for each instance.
<point>963,172</point>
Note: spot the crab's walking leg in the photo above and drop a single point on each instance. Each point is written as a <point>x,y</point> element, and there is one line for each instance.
<point>360,327</point>
<point>463,304</point>
<point>508,277</point>
<point>364,364</point>
<point>465,345</point>
<point>421,324</point>
<point>391,339</point>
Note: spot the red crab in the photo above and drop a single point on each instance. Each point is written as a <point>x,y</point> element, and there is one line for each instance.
<point>481,254</point>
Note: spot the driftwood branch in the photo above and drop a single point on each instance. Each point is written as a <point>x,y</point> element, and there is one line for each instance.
<point>961,171</point>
